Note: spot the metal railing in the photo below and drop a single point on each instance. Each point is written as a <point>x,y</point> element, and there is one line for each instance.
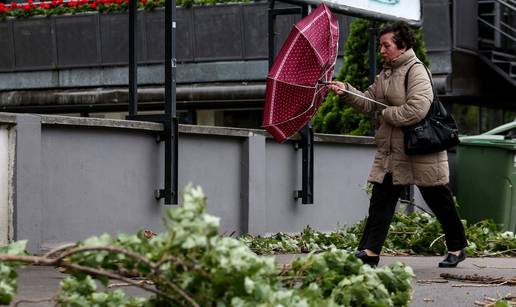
<point>503,23</point>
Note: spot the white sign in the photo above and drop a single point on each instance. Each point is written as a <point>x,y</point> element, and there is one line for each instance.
<point>387,10</point>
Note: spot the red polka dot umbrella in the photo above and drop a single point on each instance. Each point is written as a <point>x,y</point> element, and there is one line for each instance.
<point>296,81</point>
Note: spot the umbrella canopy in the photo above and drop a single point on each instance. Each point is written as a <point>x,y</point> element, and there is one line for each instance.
<point>296,81</point>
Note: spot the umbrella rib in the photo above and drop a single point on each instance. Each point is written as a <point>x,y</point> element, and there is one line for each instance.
<point>299,115</point>
<point>280,68</point>
<point>302,32</point>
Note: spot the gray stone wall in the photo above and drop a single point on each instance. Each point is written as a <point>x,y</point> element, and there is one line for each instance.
<point>77,177</point>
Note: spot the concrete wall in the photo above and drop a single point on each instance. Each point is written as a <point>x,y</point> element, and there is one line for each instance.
<point>4,184</point>
<point>77,177</point>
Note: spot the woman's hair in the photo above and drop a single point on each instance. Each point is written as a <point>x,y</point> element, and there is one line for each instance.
<point>403,34</point>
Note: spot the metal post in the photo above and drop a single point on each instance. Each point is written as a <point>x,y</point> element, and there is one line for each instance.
<point>307,175</point>
<point>373,31</point>
<point>271,18</point>
<point>133,79</point>
<point>307,133</point>
<point>407,197</point>
<point>497,24</point>
<point>307,136</point>
<point>169,119</point>
<point>171,124</point>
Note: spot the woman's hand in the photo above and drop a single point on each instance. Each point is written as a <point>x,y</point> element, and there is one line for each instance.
<point>338,87</point>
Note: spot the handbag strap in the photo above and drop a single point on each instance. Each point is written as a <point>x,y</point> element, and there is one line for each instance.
<point>440,107</point>
<point>429,76</point>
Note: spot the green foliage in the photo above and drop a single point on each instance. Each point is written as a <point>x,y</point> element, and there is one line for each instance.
<point>414,233</point>
<point>343,280</point>
<point>333,115</point>
<point>191,265</point>
<point>83,292</point>
<point>8,274</point>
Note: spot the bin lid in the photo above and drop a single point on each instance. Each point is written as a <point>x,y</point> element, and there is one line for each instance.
<point>488,141</point>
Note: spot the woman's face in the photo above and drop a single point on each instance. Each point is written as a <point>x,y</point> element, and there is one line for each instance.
<point>388,48</point>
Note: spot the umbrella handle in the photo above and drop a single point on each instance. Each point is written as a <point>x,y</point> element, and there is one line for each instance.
<point>323,82</point>
<point>366,98</point>
<point>352,93</point>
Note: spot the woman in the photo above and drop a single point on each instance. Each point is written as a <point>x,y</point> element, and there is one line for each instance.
<point>407,104</point>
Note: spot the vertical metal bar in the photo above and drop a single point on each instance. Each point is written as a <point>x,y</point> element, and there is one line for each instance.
<point>497,18</point>
<point>310,188</point>
<point>133,79</point>
<point>307,135</point>
<point>372,67</point>
<point>271,24</point>
<point>373,31</point>
<point>307,180</point>
<point>407,197</point>
<point>171,125</point>
<point>175,121</point>
<point>305,166</point>
<point>175,160</point>
<point>304,10</point>
<point>308,150</point>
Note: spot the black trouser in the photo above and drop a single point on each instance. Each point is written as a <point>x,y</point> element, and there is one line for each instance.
<point>383,204</point>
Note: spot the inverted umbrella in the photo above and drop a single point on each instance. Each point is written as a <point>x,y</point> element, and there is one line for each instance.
<point>296,81</point>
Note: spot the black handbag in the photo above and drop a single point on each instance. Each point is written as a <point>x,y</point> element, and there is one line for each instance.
<point>438,131</point>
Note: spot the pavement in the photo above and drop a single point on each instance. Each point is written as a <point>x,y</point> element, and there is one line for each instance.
<point>36,282</point>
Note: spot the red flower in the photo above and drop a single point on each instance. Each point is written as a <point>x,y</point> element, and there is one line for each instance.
<point>14,5</point>
<point>27,7</point>
<point>93,5</point>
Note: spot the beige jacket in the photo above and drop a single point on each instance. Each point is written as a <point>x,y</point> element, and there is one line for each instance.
<point>404,109</point>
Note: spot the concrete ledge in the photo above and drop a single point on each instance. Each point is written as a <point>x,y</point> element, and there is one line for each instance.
<point>99,122</point>
<point>185,129</point>
<point>239,132</point>
<point>7,118</point>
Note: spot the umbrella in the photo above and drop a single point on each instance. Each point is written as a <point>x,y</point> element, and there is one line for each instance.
<point>296,81</point>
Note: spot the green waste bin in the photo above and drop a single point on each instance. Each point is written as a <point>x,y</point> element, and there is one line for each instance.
<point>486,175</point>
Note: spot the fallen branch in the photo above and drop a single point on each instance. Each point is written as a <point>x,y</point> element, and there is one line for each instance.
<point>478,285</point>
<point>499,253</point>
<point>437,239</point>
<point>34,301</point>
<point>480,279</point>
<point>124,284</point>
<point>112,249</point>
<point>61,262</point>
<point>492,267</point>
<point>491,302</point>
<point>431,281</point>
<point>60,249</point>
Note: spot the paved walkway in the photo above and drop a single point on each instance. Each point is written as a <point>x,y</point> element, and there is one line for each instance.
<point>41,282</point>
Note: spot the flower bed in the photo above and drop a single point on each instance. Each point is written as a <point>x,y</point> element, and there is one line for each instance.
<point>58,7</point>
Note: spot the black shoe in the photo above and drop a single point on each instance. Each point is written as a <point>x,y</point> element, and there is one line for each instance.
<point>371,260</point>
<point>451,260</point>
